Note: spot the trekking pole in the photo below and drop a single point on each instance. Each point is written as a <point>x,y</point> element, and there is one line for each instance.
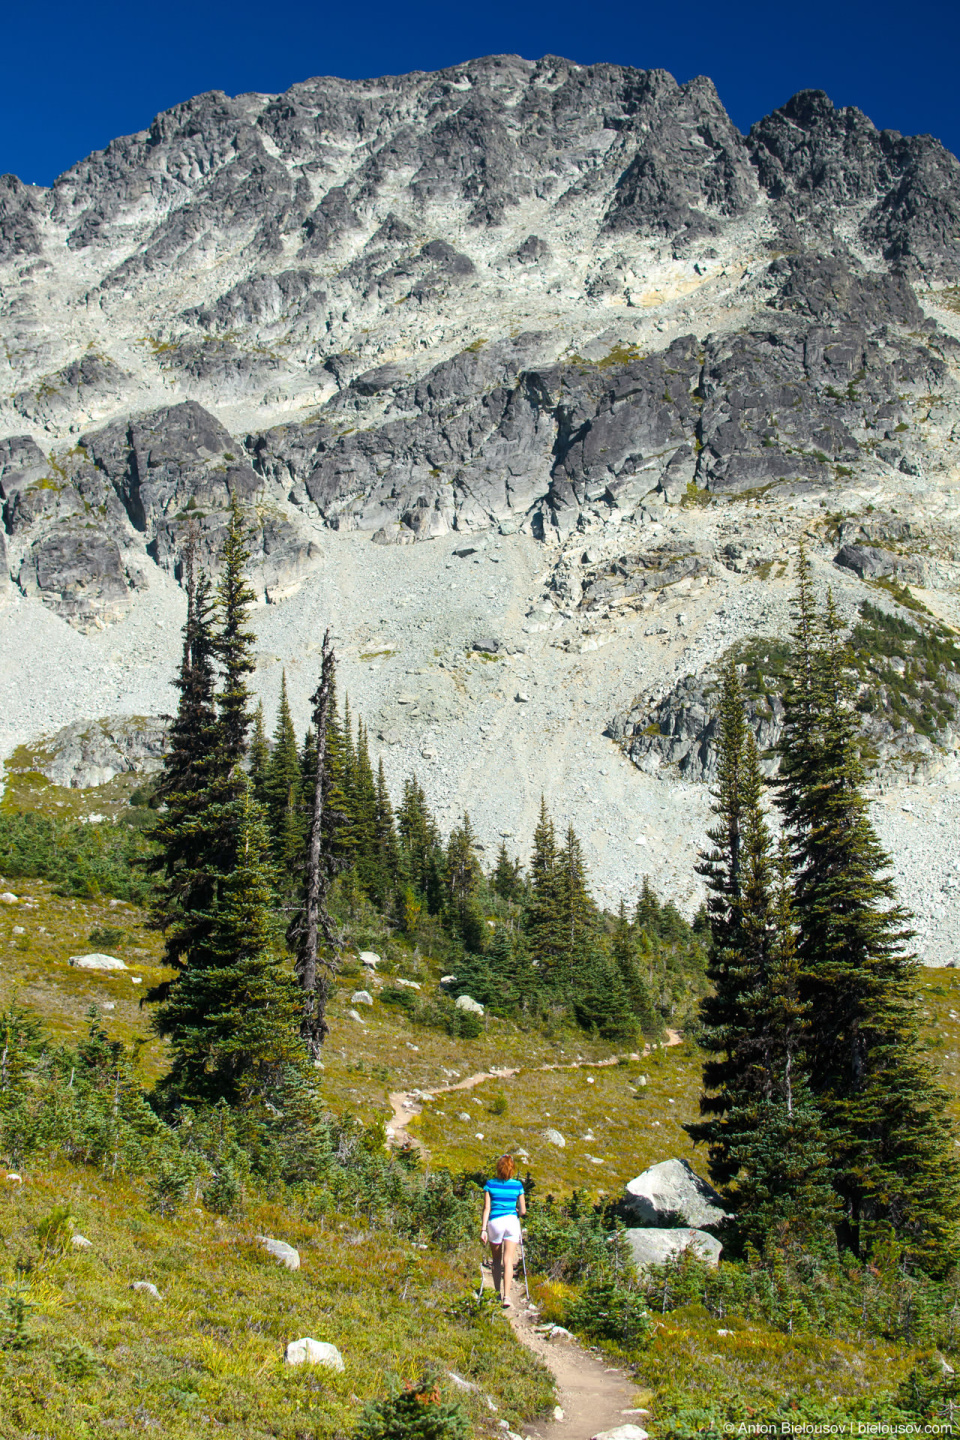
<point>523,1262</point>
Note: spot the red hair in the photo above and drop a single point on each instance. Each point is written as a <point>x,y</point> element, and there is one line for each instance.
<point>505,1167</point>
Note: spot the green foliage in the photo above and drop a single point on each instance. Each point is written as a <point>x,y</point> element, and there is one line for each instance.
<point>55,1232</point>
<point>417,1412</point>
<point>611,1311</point>
<point>104,859</point>
<point>15,1333</point>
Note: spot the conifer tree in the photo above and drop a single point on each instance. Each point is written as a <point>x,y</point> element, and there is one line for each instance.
<point>507,878</point>
<point>624,953</point>
<point>282,787</point>
<point>233,1020</point>
<point>891,1155</point>
<point>259,757</point>
<point>387,848</point>
<point>234,644</point>
<point>601,1001</point>
<point>461,877</point>
<point>185,888</point>
<point>312,921</point>
<point>543,920</point>
<point>578,912</point>
<point>421,852</point>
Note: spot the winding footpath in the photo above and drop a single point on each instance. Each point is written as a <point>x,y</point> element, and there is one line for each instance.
<point>593,1397</point>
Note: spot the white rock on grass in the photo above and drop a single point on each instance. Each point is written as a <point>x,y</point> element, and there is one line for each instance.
<point>80,1242</point>
<point>354,1015</point>
<point>369,958</point>
<point>466,1002</point>
<point>14,1178</point>
<point>281,1251</point>
<point>459,1383</point>
<point>553,1137</point>
<point>8,898</point>
<point>361,997</point>
<point>656,1246</point>
<point>306,1351</point>
<point>96,961</point>
<point>144,1287</point>
<point>408,984</point>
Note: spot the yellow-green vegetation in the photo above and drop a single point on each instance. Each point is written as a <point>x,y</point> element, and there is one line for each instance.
<point>605,1114</point>
<point>93,1358</point>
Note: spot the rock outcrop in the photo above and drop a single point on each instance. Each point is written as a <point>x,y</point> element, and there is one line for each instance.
<point>345,354</point>
<point>671,1193</point>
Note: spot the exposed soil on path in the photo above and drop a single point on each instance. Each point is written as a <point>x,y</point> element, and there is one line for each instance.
<point>594,1397</point>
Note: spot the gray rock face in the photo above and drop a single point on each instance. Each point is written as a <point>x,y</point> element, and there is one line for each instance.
<point>671,1193</point>
<point>657,1246</point>
<point>869,561</point>
<point>81,755</point>
<point>361,368</point>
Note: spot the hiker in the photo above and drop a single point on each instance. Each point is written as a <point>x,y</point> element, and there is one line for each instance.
<point>502,1199</point>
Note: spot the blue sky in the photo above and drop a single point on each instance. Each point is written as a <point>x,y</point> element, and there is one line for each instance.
<point>78,74</point>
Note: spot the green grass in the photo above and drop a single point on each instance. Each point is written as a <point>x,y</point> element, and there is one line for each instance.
<point>207,1358</point>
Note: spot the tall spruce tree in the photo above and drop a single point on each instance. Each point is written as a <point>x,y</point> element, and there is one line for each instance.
<point>543,920</point>
<point>312,926</point>
<point>281,786</point>
<point>233,1021</point>
<point>462,874</point>
<point>767,1146</point>
<point>259,757</point>
<point>891,1143</point>
<point>200,860</point>
<point>185,888</point>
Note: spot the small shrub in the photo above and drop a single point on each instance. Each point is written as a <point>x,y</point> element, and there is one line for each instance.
<point>55,1232</point>
<point>499,1105</point>
<point>417,1412</point>
<point>106,935</point>
<point>14,1322</point>
<point>612,1311</point>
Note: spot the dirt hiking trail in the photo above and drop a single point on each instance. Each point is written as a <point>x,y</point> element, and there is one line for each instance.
<point>594,1397</point>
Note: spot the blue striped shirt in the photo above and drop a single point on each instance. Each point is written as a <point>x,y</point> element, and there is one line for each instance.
<point>504,1195</point>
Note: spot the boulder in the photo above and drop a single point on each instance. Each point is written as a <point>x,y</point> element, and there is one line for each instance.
<point>80,1242</point>
<point>622,1432</point>
<point>466,1002</point>
<point>553,1137</point>
<point>870,562</point>
<point>89,753</point>
<point>8,898</point>
<point>367,957</point>
<point>355,1015</point>
<point>657,1246</point>
<point>361,997</point>
<point>97,962</point>
<point>281,1251</point>
<point>672,1193</point>
<point>144,1287</point>
<point>408,984</point>
<point>313,1352</point>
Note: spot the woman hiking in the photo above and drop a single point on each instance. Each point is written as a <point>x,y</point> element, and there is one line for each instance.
<point>502,1198</point>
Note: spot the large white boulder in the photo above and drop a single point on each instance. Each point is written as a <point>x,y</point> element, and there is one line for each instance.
<point>281,1251</point>
<point>656,1246</point>
<point>466,1002</point>
<point>368,958</point>
<point>553,1137</point>
<point>671,1193</point>
<point>361,997</point>
<point>313,1352</point>
<point>97,962</point>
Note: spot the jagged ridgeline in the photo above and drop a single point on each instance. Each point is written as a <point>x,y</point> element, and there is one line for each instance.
<point>512,294</point>
<point>907,678</point>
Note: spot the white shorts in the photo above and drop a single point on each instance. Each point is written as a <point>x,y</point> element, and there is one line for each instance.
<point>505,1227</point>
